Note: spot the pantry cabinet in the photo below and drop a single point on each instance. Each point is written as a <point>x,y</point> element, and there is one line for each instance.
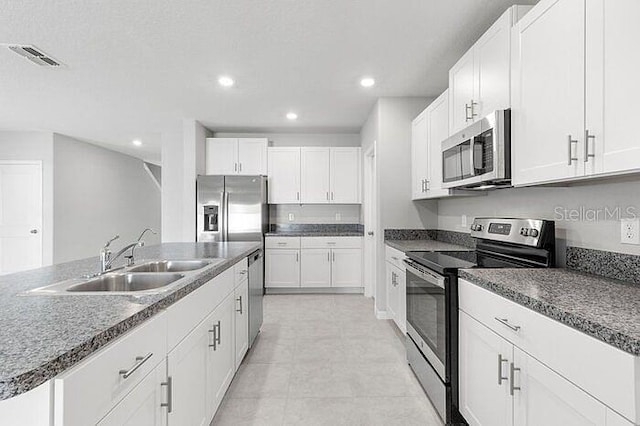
<point>236,156</point>
<point>284,175</point>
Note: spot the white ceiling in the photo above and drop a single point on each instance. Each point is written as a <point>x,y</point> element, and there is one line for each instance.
<point>135,69</point>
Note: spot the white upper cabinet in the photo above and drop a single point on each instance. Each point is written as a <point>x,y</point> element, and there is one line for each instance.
<point>613,87</point>
<point>345,175</point>
<point>479,82</point>
<point>284,175</point>
<point>315,175</point>
<point>548,93</point>
<point>236,156</point>
<point>429,129</point>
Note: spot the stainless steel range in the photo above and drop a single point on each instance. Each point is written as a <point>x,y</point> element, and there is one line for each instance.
<point>432,298</point>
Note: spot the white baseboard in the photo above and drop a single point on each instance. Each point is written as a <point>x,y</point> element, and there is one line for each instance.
<point>383,315</point>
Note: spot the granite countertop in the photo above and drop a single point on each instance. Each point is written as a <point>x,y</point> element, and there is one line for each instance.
<point>315,234</point>
<point>424,245</point>
<point>43,335</point>
<point>606,309</point>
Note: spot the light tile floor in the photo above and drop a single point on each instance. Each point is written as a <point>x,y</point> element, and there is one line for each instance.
<point>325,360</point>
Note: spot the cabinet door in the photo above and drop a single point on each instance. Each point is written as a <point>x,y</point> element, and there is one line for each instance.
<point>143,406</point>
<point>546,398</point>
<point>252,156</point>
<point>284,175</point>
<point>282,268</point>
<point>187,366</point>
<point>438,131</point>
<point>242,322</point>
<point>484,369</point>
<point>346,268</point>
<point>613,87</point>
<point>221,360</point>
<point>401,288</point>
<point>548,93</point>
<point>221,156</point>
<point>315,268</point>
<point>345,175</point>
<point>392,292</point>
<point>420,155</point>
<point>461,84</point>
<point>492,53</point>
<point>314,172</point>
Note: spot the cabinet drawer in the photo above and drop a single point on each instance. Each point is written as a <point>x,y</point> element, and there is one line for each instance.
<point>282,242</point>
<point>188,312</point>
<point>607,373</point>
<point>331,242</point>
<point>394,257</point>
<point>85,393</point>
<point>241,271</point>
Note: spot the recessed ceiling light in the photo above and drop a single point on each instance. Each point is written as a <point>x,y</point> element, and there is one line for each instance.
<point>292,115</point>
<point>137,142</point>
<point>367,82</point>
<point>225,81</point>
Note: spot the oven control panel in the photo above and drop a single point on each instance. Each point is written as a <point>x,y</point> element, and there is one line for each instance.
<point>518,231</point>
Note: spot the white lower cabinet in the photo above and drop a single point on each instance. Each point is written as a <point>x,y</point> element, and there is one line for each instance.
<point>242,321</point>
<point>282,268</point>
<point>396,288</point>
<point>147,404</point>
<point>315,268</point>
<point>346,267</point>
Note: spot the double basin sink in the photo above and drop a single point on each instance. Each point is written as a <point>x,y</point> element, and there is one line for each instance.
<point>148,277</point>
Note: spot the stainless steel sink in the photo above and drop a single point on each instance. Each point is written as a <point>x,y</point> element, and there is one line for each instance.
<point>126,282</point>
<point>170,266</point>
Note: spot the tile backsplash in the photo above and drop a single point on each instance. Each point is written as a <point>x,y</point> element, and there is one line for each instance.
<point>314,213</point>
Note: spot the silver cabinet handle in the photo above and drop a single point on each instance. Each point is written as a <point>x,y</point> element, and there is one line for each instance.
<point>587,136</point>
<point>239,167</point>
<point>282,244</point>
<point>370,233</point>
<point>239,299</point>
<point>427,185</point>
<point>218,333</point>
<point>215,341</point>
<point>570,144</point>
<point>141,360</point>
<point>297,257</point>
<point>500,376</point>
<point>393,278</point>
<point>298,195</point>
<point>332,198</point>
<point>473,113</point>
<point>34,231</point>
<point>169,403</point>
<point>395,258</point>
<point>512,386</point>
<point>505,321</point>
<point>333,255</point>
<point>328,256</point>
<point>327,195</point>
<point>466,112</point>
<point>243,272</point>
<point>235,167</point>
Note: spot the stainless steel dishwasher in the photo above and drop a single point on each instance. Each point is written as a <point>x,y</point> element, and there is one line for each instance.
<point>256,293</point>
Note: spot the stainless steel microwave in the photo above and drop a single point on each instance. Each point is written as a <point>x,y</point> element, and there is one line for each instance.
<point>479,157</point>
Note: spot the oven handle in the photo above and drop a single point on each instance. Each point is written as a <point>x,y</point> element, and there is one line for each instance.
<point>429,277</point>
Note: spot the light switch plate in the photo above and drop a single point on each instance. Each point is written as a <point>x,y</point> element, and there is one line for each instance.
<point>291,217</point>
<point>629,231</point>
<point>338,217</point>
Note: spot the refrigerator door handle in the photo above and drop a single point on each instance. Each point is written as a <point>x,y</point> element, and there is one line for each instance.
<point>225,216</point>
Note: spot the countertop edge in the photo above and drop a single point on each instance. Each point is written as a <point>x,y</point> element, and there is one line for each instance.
<point>16,385</point>
<point>314,234</point>
<point>604,334</point>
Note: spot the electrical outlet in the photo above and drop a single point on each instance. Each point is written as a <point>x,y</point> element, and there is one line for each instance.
<point>464,221</point>
<point>338,217</point>
<point>630,231</point>
<point>291,217</point>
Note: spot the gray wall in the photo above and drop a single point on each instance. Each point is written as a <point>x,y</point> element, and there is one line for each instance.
<point>99,193</point>
<point>589,229</point>
<point>26,146</point>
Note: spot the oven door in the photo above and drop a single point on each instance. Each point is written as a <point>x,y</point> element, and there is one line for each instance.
<point>426,314</point>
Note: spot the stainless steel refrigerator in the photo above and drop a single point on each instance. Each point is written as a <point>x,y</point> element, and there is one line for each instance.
<point>234,208</point>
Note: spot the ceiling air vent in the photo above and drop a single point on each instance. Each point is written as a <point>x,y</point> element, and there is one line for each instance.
<point>35,55</point>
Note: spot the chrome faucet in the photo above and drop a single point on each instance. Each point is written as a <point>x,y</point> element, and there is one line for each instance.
<point>130,258</point>
<point>107,265</point>
<point>105,254</point>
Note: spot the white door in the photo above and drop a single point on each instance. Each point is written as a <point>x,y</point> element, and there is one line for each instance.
<point>393,299</point>
<point>370,223</point>
<point>221,353</point>
<point>252,156</point>
<point>484,375</point>
<point>548,93</point>
<point>545,398</point>
<point>346,267</point>
<point>420,155</point>
<point>242,321</point>
<point>284,175</point>
<point>221,156</point>
<point>187,367</point>
<point>144,405</point>
<point>314,172</point>
<point>315,268</point>
<point>345,175</point>
<point>20,216</point>
<point>461,83</point>
<point>282,268</point>
<point>438,131</point>
<point>613,86</point>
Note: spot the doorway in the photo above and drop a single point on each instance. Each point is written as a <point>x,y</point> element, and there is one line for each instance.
<point>20,215</point>
<point>370,221</point>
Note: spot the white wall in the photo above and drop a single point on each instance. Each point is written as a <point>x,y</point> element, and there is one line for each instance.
<point>99,193</point>
<point>550,203</point>
<point>16,145</point>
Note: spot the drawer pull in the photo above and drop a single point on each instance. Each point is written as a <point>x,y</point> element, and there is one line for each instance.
<point>512,386</point>
<point>243,272</point>
<point>215,341</point>
<point>218,333</point>
<point>169,403</point>
<point>141,360</point>
<point>331,243</point>
<point>505,321</point>
<point>500,376</point>
<point>282,244</point>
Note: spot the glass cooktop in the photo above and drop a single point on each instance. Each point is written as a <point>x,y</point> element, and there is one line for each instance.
<point>443,261</point>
